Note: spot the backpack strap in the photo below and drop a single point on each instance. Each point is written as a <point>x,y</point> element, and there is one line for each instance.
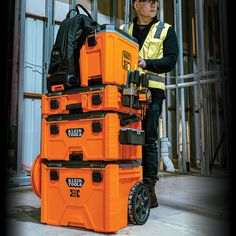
<point>84,9</point>
<point>68,15</point>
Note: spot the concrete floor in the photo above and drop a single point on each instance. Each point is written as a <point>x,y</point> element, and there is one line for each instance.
<point>188,205</point>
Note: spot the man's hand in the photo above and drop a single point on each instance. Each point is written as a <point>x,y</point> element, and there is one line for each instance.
<point>141,62</point>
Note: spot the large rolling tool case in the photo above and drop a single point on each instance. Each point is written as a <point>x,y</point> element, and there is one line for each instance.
<point>106,57</point>
<point>89,99</point>
<point>91,136</point>
<point>99,196</point>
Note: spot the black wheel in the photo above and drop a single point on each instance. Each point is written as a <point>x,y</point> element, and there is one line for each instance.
<point>139,204</point>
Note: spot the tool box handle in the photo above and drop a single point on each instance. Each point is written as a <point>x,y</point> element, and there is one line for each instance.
<point>75,106</point>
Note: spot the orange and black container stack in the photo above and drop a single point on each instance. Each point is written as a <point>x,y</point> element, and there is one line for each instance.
<point>89,172</point>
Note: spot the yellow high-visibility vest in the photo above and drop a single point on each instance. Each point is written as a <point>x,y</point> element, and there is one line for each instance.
<point>153,49</point>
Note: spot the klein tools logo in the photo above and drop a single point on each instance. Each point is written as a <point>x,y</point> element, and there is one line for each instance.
<point>75,182</point>
<point>74,193</point>
<point>126,60</point>
<point>75,133</point>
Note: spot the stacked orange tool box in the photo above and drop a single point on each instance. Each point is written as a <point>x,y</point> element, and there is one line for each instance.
<point>89,171</point>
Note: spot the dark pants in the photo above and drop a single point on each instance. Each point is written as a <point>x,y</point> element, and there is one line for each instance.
<point>150,126</point>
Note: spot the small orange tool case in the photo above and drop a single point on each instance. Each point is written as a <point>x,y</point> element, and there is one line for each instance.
<point>88,99</point>
<point>92,136</point>
<point>106,57</point>
<point>98,196</point>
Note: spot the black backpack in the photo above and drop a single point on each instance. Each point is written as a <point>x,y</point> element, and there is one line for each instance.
<point>64,62</point>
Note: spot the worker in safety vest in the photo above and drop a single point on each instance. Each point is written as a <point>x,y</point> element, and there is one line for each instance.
<point>158,53</point>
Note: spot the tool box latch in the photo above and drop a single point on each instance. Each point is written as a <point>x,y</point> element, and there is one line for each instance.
<point>54,129</point>
<point>54,104</point>
<point>97,176</point>
<point>96,99</point>
<point>96,127</point>
<point>92,41</point>
<point>54,175</point>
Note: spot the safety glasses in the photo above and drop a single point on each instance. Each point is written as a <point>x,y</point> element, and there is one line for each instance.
<point>149,2</point>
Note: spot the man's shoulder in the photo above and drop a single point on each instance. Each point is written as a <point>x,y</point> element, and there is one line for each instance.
<point>164,24</point>
<point>161,24</point>
<point>167,26</point>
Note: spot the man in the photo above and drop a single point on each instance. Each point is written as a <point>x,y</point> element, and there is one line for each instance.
<point>158,53</point>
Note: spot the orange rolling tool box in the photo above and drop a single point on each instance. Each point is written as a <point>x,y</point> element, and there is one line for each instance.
<point>91,136</point>
<point>96,98</point>
<point>98,196</point>
<point>106,57</point>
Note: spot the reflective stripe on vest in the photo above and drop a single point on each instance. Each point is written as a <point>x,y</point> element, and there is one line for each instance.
<point>160,27</point>
<point>153,49</point>
<point>155,81</point>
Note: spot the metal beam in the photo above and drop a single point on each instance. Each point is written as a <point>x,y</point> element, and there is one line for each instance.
<point>127,13</point>
<point>21,87</point>
<point>95,9</point>
<point>48,40</point>
<point>161,10</point>
<point>226,86</point>
<point>193,83</point>
<point>114,12</point>
<point>177,94</point>
<point>200,69</point>
<point>183,168</point>
<point>72,4</point>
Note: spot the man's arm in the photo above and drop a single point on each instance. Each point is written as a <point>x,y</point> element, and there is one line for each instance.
<point>170,55</point>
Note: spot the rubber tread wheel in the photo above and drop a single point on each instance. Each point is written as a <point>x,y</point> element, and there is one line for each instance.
<point>139,204</point>
<point>35,176</point>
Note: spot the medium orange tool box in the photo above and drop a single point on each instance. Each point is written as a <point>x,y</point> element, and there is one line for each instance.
<point>106,57</point>
<point>92,136</point>
<point>88,99</point>
<point>97,196</point>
